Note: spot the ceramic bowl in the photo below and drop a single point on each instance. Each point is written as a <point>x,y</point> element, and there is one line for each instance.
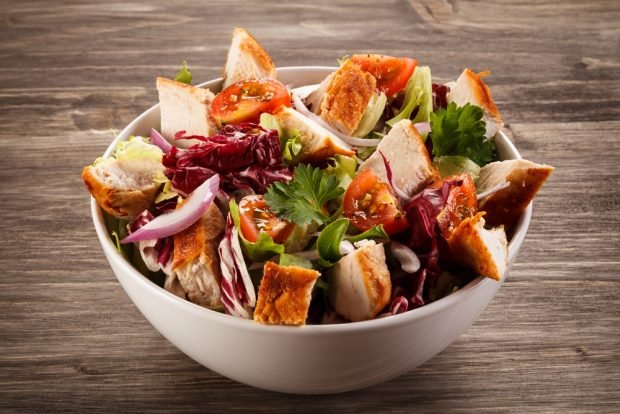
<point>309,359</point>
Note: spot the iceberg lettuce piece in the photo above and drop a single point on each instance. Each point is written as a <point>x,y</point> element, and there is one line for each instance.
<point>371,116</point>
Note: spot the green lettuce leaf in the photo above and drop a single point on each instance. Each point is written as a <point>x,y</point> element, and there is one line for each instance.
<point>290,141</point>
<point>294,260</point>
<point>260,250</point>
<point>371,115</point>
<point>328,243</point>
<point>184,75</point>
<point>376,232</point>
<point>456,164</point>
<point>418,94</point>
<point>269,121</point>
<point>343,168</point>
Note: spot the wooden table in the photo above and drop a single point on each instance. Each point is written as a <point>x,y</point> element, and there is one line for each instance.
<point>74,73</point>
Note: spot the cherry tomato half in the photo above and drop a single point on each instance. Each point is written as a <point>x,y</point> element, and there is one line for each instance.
<point>392,73</point>
<point>244,101</point>
<point>369,202</point>
<point>255,217</point>
<point>462,203</point>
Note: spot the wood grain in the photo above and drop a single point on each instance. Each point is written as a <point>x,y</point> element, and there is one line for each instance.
<point>72,73</point>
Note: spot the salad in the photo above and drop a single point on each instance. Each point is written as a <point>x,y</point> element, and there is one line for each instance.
<point>371,194</point>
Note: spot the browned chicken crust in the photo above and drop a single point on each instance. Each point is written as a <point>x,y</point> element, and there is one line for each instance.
<point>506,206</point>
<point>347,97</point>
<point>284,295</point>
<point>469,248</point>
<point>124,204</point>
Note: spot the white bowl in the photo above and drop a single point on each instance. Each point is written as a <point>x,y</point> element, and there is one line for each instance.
<point>309,359</point>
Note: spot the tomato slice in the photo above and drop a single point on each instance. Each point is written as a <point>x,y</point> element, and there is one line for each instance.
<point>462,202</point>
<point>392,73</point>
<point>244,101</point>
<point>255,217</point>
<point>369,202</point>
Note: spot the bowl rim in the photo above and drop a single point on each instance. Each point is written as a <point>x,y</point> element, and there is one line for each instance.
<point>248,324</point>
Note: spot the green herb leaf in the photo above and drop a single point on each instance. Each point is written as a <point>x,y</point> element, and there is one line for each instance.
<point>184,75</point>
<point>376,232</point>
<point>328,243</point>
<point>303,199</point>
<point>260,250</point>
<point>460,131</point>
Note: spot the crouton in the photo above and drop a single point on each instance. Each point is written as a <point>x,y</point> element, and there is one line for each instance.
<point>196,260</point>
<point>284,295</point>
<point>246,59</point>
<point>360,284</point>
<point>404,149</point>
<point>469,88</point>
<point>186,108</point>
<point>485,251</point>
<point>505,206</point>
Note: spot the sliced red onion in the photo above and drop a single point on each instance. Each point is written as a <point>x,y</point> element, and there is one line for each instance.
<point>408,260</point>
<point>400,193</point>
<point>181,218</point>
<point>493,190</point>
<point>158,140</point>
<point>346,247</point>
<point>358,142</point>
<point>423,127</point>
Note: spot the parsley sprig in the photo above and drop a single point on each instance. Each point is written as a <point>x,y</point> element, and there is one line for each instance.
<point>460,131</point>
<point>304,198</point>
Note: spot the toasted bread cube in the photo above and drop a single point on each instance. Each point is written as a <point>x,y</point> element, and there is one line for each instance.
<point>284,295</point>
<point>246,59</point>
<point>360,284</point>
<point>469,88</point>
<point>485,251</point>
<point>505,206</point>
<point>186,108</point>
<point>403,147</point>
<point>317,143</point>
<point>123,188</point>
<point>196,260</point>
<point>346,97</point>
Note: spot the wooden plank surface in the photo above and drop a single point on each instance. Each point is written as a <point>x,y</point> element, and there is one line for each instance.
<point>72,73</point>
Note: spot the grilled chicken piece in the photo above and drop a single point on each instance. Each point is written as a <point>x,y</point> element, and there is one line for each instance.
<point>317,142</point>
<point>360,283</point>
<point>123,188</point>
<point>469,88</point>
<point>485,251</point>
<point>284,295</point>
<point>505,206</point>
<point>404,149</point>
<point>196,261</point>
<point>246,59</point>
<point>344,99</point>
<point>186,108</point>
